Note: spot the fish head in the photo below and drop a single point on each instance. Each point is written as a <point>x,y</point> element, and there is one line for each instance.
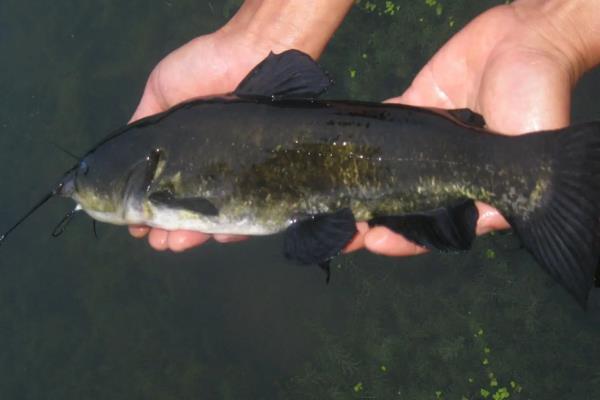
<point>108,185</point>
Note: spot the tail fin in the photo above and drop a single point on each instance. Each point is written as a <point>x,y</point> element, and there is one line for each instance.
<point>563,234</point>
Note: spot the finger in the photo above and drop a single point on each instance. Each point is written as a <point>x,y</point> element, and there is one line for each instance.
<point>490,219</point>
<point>179,241</point>
<point>159,239</point>
<point>383,241</point>
<point>424,91</point>
<point>138,231</point>
<point>149,104</point>
<point>229,238</point>
<point>359,239</point>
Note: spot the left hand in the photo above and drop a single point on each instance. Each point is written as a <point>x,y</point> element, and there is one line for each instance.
<point>511,67</point>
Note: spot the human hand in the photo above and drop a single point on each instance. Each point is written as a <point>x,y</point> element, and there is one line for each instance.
<point>215,64</point>
<point>515,65</point>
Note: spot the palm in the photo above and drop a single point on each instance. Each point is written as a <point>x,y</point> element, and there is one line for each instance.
<point>497,66</point>
<point>208,65</point>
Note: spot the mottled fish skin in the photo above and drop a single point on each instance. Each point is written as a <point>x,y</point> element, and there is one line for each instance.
<point>263,163</point>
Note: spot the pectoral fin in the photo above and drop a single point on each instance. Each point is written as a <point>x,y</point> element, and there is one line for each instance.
<point>291,74</point>
<point>319,238</point>
<point>142,175</point>
<point>448,228</point>
<point>195,204</point>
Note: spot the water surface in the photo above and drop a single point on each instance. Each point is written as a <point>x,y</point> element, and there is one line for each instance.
<point>111,319</point>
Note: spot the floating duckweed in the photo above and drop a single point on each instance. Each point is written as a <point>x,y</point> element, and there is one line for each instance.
<point>490,254</point>
<point>368,6</point>
<point>501,394</point>
<point>516,387</point>
<point>390,8</point>
<point>383,368</point>
<point>439,9</point>
<point>484,393</point>
<point>358,387</point>
<point>485,361</point>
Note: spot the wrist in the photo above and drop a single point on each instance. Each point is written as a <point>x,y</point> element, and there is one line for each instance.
<point>277,25</point>
<point>569,28</point>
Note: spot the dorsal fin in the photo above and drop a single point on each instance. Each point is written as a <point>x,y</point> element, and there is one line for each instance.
<point>291,74</point>
<point>448,228</point>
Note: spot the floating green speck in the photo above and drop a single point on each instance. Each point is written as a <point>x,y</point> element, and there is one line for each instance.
<point>370,7</point>
<point>358,387</point>
<point>390,8</point>
<point>516,387</point>
<point>501,394</point>
<point>439,9</point>
<point>484,393</point>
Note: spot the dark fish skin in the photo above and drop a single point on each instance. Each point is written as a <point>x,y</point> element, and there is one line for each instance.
<point>300,157</point>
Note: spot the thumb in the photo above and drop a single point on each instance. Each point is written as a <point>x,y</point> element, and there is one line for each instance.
<point>149,104</point>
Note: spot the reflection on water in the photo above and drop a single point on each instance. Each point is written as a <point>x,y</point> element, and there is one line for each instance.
<point>109,318</point>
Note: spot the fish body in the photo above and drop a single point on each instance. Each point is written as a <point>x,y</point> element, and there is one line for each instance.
<point>272,157</point>
<point>264,164</point>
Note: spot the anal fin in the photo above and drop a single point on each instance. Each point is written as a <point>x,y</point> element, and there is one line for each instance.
<point>448,228</point>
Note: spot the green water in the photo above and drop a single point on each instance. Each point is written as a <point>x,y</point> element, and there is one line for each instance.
<point>82,318</point>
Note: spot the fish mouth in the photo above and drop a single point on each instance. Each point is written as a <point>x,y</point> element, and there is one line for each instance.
<point>66,186</point>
